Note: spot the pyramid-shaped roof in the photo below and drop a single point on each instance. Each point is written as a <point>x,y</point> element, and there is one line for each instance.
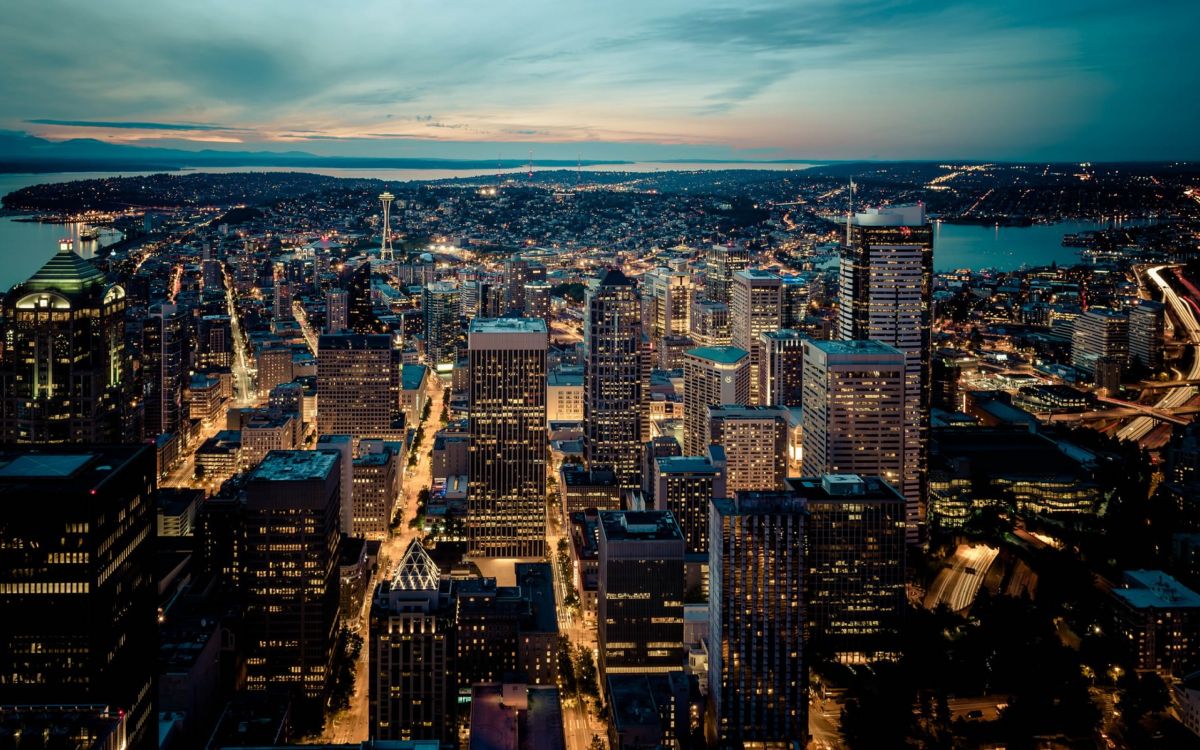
<point>417,571</point>
<point>67,272</point>
<point>615,277</point>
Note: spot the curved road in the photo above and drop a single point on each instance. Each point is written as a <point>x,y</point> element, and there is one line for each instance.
<point>1187,323</point>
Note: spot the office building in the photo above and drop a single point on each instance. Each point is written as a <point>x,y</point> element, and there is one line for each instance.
<point>721,263</point>
<point>710,323</point>
<point>564,394</point>
<point>337,311</point>
<point>855,413</point>
<point>442,332</point>
<point>755,441</point>
<point>77,581</point>
<point>214,347</point>
<point>1147,334</point>
<point>795,301</point>
<point>667,300</point>
<point>616,398</point>
<point>411,633</point>
<point>781,374</point>
<point>712,375</point>
<point>289,573</point>
<point>64,370</point>
<point>1098,335</point>
<point>755,307</point>
<point>514,716</point>
<point>164,364</point>
<point>686,486</point>
<point>356,374</point>
<point>855,595</point>
<point>537,300</point>
<point>273,362</point>
<point>1157,620</point>
<point>757,667</point>
<point>376,485</point>
<point>360,309</point>
<point>885,294</point>
<point>507,427</point>
<point>649,710</point>
<point>639,615</point>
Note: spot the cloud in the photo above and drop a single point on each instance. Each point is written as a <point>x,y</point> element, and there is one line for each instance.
<point>128,125</point>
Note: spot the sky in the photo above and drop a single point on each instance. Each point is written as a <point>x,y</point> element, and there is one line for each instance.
<point>652,79</point>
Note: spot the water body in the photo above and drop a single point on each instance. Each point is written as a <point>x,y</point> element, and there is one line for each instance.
<point>977,247</point>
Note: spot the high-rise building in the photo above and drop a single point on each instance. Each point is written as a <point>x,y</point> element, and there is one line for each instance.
<point>164,349</point>
<point>517,273</point>
<point>712,375</point>
<point>273,362</point>
<point>63,368</point>
<point>722,262</point>
<point>356,375</point>
<point>289,573</point>
<point>506,515</point>
<point>78,588</point>
<point>755,307</point>
<point>615,398</point>
<point>685,486</point>
<point>710,323</point>
<point>360,308</point>
<point>376,484</point>
<point>667,302</point>
<point>640,596</point>
<point>442,333</point>
<point>1147,333</point>
<point>855,596</point>
<point>410,635</point>
<point>537,300</point>
<point>855,416</point>
<point>757,666</point>
<point>795,301</point>
<point>755,441</point>
<point>781,373</point>
<point>885,293</point>
<point>281,297</point>
<point>337,311</point>
<point>1098,334</point>
<point>215,342</point>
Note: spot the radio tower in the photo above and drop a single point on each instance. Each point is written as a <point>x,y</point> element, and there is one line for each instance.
<point>385,248</point>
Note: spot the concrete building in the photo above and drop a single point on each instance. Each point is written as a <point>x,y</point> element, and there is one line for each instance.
<point>855,409</point>
<point>755,442</point>
<point>712,375</point>
<point>337,311</point>
<point>639,602</point>
<point>356,377</point>
<point>721,263</point>
<point>440,308</point>
<point>564,394</point>
<point>1147,334</point>
<point>376,486</point>
<point>781,375</point>
<point>1097,335</point>
<point>516,717</point>
<point>1158,620</point>
<point>507,426</point>
<point>755,307</point>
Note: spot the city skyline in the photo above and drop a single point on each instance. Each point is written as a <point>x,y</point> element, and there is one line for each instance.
<point>760,81</point>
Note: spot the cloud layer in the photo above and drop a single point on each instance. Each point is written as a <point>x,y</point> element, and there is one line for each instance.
<point>764,78</point>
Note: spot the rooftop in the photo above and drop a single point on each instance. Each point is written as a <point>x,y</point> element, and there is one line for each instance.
<point>724,355</point>
<point>837,486</point>
<point>412,375</point>
<point>685,465</point>
<point>508,325</point>
<point>757,274</point>
<point>639,525</point>
<point>863,346</point>
<point>345,341</point>
<point>1154,589</point>
<point>66,469</point>
<point>295,466</point>
<point>66,271</point>
<point>760,503</point>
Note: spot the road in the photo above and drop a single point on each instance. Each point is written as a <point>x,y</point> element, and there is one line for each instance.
<point>1186,327</point>
<point>243,377</point>
<point>957,585</point>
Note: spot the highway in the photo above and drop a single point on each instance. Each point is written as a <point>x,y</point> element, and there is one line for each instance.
<point>957,585</point>
<point>1185,324</point>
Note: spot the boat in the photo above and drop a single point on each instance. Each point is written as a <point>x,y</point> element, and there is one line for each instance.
<point>88,234</point>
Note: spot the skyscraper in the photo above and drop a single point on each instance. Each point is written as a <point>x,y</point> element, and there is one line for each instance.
<point>855,596</point>
<point>781,373</point>
<point>755,443</point>
<point>640,596</point>
<point>855,416</point>
<point>410,634</point>
<point>442,333</point>
<point>615,398</point>
<point>337,311</point>
<point>757,666</point>
<point>722,262</point>
<point>755,307</point>
<point>356,374</point>
<point>885,294</point>
<point>1099,334</point>
<point>537,300</point>
<point>686,486</point>
<point>668,294</point>
<point>163,369</point>
<point>289,572</point>
<point>77,581</point>
<point>1147,324</point>
<point>64,370</point>
<point>360,308</point>
<point>711,375</point>
<point>506,513</point>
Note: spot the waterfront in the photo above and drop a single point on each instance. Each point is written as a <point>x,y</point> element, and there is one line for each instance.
<point>1002,248</point>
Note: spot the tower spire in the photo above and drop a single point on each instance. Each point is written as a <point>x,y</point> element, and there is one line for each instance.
<point>385,248</point>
